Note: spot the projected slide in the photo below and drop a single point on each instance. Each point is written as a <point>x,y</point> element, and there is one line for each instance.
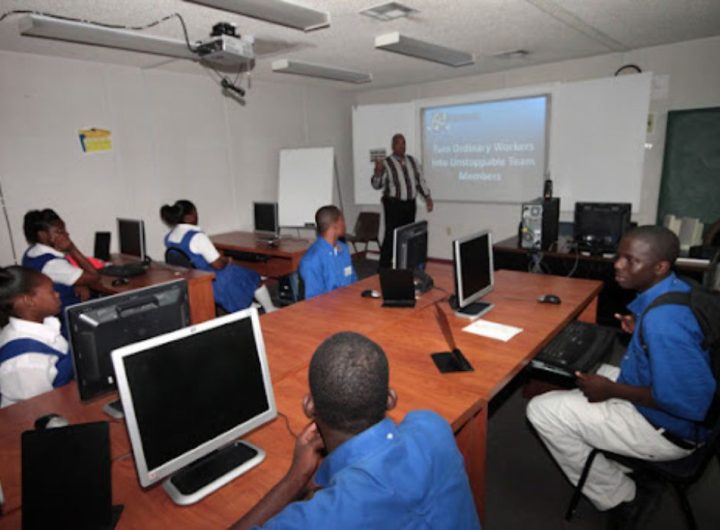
<point>489,151</point>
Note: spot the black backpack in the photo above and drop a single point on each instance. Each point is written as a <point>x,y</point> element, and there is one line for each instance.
<point>705,306</point>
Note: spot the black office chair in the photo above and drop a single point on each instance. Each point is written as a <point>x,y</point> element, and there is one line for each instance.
<point>367,229</point>
<point>175,256</point>
<point>681,474</point>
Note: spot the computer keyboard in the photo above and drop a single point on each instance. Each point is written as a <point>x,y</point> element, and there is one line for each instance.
<point>246,256</point>
<point>579,347</point>
<point>125,271</point>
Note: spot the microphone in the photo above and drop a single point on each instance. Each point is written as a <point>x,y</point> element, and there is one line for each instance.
<point>227,85</point>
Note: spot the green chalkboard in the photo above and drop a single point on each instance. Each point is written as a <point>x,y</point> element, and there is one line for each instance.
<point>690,183</point>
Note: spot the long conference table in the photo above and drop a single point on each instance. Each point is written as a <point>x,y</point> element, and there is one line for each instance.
<point>291,335</point>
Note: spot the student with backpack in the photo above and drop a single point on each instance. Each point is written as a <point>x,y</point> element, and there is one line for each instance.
<point>654,405</point>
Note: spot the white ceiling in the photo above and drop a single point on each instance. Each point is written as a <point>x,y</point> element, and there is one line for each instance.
<point>552,30</point>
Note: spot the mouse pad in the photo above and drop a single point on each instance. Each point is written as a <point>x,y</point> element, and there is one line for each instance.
<point>66,478</point>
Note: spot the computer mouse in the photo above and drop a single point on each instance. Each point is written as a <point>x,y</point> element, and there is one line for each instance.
<point>120,281</point>
<point>549,299</point>
<point>50,421</point>
<point>370,293</point>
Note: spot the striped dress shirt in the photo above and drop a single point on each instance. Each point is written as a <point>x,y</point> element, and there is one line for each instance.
<point>401,179</point>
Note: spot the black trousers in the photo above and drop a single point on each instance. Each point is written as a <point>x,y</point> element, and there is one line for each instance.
<point>397,213</point>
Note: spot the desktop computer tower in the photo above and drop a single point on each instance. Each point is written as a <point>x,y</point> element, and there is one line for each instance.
<point>539,223</point>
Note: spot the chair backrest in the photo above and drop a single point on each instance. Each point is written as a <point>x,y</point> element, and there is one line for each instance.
<point>175,256</point>
<point>367,225</point>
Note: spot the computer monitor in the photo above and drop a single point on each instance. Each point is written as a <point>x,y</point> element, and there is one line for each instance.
<point>410,249</point>
<point>188,396</point>
<point>599,226</point>
<point>131,234</point>
<point>266,218</point>
<point>473,266</point>
<point>98,327</point>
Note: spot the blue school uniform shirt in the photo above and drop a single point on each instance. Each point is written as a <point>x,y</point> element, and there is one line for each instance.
<point>409,476</point>
<point>324,268</point>
<point>234,286</point>
<point>675,366</point>
<point>33,359</point>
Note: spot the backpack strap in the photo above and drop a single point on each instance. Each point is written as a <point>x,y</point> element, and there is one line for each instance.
<point>672,298</point>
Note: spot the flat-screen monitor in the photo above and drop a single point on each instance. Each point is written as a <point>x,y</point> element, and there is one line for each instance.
<point>473,266</point>
<point>131,234</point>
<point>599,226</point>
<point>410,244</point>
<point>266,218</point>
<point>98,327</point>
<point>191,393</point>
<point>410,251</point>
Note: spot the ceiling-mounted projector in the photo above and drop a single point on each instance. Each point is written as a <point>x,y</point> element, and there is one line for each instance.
<point>226,47</point>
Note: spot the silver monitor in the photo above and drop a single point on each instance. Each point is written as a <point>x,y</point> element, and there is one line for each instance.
<point>473,263</point>
<point>191,393</point>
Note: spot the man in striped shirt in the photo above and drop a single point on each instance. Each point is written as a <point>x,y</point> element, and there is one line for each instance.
<point>400,178</point>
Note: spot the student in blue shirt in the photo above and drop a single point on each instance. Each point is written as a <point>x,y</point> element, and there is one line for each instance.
<point>652,406</point>
<point>377,474</point>
<point>327,264</point>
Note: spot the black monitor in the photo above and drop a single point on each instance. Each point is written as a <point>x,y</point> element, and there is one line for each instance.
<point>410,251</point>
<point>98,327</point>
<point>131,234</point>
<point>473,266</point>
<point>266,218</point>
<point>188,396</point>
<point>599,226</point>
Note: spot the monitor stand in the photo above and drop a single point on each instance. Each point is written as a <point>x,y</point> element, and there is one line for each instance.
<point>114,409</point>
<point>470,311</point>
<point>213,471</point>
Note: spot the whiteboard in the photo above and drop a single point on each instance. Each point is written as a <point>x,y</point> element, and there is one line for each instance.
<point>373,128</point>
<point>305,183</point>
<point>597,144</point>
<point>596,139</point>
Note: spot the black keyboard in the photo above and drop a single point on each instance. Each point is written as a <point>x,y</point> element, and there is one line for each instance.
<point>246,256</point>
<point>579,347</point>
<point>125,271</point>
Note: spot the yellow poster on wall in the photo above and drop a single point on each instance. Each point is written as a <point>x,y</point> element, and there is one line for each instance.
<point>94,140</point>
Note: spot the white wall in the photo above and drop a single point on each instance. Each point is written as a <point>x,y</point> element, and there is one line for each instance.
<point>174,136</point>
<point>694,81</point>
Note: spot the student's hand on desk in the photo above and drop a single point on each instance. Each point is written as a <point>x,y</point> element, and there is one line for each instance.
<point>306,456</point>
<point>627,322</point>
<point>595,387</point>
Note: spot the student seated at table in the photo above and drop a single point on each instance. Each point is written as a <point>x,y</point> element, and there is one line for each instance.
<point>234,286</point>
<point>33,353</point>
<point>653,406</point>
<point>327,264</point>
<point>377,474</point>
<point>50,252</point>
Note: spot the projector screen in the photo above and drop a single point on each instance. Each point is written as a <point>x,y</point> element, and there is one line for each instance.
<point>491,151</point>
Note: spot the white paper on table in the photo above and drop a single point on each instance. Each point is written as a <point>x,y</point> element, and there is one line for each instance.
<point>493,330</point>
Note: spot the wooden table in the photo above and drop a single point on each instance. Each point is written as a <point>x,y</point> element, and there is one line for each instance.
<point>200,293</point>
<point>563,260</point>
<point>291,336</point>
<point>283,255</point>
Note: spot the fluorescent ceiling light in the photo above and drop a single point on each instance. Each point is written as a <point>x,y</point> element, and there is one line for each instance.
<point>276,11</point>
<point>394,42</point>
<point>286,66</point>
<point>68,30</point>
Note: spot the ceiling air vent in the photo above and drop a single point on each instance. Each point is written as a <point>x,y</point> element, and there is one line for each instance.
<point>389,11</point>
